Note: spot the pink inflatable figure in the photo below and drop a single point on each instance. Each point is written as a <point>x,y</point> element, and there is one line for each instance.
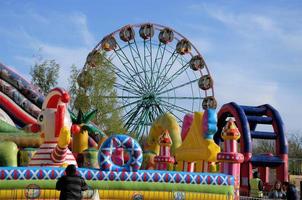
<point>187,122</point>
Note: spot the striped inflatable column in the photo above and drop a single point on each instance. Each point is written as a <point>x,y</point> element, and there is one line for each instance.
<point>206,167</point>
<point>188,166</point>
<point>198,167</point>
<point>164,159</point>
<point>230,158</point>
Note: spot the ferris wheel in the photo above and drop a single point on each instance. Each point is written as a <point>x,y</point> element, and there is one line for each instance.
<point>157,70</point>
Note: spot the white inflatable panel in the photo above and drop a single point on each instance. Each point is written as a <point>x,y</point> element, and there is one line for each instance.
<point>4,117</point>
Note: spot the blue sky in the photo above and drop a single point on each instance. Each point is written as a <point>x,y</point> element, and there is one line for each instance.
<point>253,48</point>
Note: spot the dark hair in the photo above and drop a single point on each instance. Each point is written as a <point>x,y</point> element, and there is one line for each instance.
<point>285,183</point>
<point>276,182</point>
<point>71,170</point>
<point>255,175</point>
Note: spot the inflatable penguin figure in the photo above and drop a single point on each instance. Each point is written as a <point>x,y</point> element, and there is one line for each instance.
<point>54,123</point>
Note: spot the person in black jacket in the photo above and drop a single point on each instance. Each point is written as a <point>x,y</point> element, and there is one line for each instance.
<point>291,191</point>
<point>71,185</point>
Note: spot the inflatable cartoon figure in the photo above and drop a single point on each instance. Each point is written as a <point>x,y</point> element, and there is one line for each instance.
<point>54,123</point>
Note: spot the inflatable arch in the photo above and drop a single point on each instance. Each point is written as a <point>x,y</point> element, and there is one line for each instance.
<point>165,122</point>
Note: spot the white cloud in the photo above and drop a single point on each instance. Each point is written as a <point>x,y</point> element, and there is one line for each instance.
<point>242,86</point>
<point>66,57</point>
<point>254,24</point>
<point>63,54</point>
<point>80,21</point>
<point>203,44</point>
<point>26,60</point>
<point>247,24</point>
<point>289,106</point>
<point>245,88</point>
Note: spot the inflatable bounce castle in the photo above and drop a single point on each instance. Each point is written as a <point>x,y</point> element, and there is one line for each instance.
<point>206,156</point>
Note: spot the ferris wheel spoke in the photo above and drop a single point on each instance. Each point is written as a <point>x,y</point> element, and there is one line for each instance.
<point>159,111</point>
<point>129,115</point>
<point>191,89</point>
<point>178,97</point>
<point>143,68</point>
<point>162,55</point>
<point>140,124</point>
<point>123,76</point>
<point>121,97</point>
<point>148,58</point>
<point>171,110</point>
<point>178,119</point>
<point>173,76</point>
<point>151,114</point>
<point>141,61</point>
<point>127,105</point>
<point>128,66</point>
<point>136,122</point>
<point>155,63</point>
<point>183,62</point>
<point>146,54</point>
<point>129,82</point>
<point>132,115</point>
<point>147,126</point>
<point>151,62</point>
<point>137,52</point>
<point>179,86</point>
<point>176,107</point>
<point>164,71</point>
<point>135,57</point>
<point>132,87</point>
<point>127,89</point>
<point>124,60</point>
<point>159,63</point>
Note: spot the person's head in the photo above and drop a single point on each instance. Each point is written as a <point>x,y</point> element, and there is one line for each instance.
<point>285,185</point>
<point>255,175</point>
<point>71,170</point>
<point>277,185</point>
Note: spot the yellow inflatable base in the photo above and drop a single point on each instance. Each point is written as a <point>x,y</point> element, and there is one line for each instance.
<point>111,194</point>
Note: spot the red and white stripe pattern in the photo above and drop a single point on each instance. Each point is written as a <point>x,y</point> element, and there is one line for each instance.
<point>230,146</point>
<point>230,159</point>
<point>230,168</point>
<point>206,166</point>
<point>59,154</point>
<point>164,157</point>
<point>165,151</point>
<point>47,156</point>
<point>188,166</point>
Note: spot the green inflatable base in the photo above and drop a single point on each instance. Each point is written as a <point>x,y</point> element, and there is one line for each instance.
<point>124,185</point>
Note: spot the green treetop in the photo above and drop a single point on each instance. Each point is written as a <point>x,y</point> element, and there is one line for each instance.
<point>45,75</point>
<point>88,89</point>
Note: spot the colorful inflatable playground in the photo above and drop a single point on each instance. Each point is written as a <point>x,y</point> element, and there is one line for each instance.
<point>189,149</point>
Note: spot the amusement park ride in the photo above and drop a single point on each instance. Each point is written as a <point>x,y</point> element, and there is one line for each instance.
<point>166,94</point>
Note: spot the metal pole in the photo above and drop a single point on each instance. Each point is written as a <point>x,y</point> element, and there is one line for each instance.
<point>300,189</point>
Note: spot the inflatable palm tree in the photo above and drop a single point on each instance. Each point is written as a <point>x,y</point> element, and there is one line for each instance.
<point>80,128</point>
